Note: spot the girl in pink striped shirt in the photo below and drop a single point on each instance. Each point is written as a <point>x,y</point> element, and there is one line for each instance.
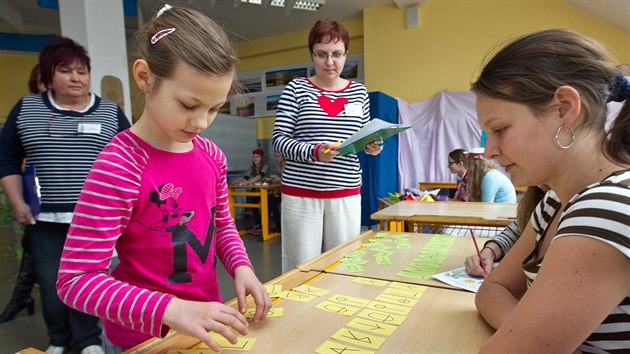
<point>158,194</point>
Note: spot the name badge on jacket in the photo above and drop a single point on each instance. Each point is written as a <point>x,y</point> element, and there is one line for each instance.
<point>89,128</point>
<point>353,109</point>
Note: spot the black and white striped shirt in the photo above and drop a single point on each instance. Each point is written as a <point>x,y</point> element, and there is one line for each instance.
<point>307,116</point>
<point>601,211</point>
<point>506,239</point>
<point>62,144</point>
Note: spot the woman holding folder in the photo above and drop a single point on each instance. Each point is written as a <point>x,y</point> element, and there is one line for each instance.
<point>321,200</point>
<point>564,287</point>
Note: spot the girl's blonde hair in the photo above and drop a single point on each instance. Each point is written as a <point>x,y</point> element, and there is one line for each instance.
<point>477,168</point>
<point>196,41</point>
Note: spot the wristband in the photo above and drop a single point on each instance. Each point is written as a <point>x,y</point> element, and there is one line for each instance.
<point>494,255</point>
<point>316,152</point>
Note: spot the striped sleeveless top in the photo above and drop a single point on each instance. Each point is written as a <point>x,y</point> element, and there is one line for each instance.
<point>601,211</point>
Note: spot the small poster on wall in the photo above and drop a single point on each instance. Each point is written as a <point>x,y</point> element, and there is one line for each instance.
<point>246,105</point>
<point>251,85</point>
<point>262,89</point>
<point>272,102</point>
<point>284,76</point>
<point>350,69</point>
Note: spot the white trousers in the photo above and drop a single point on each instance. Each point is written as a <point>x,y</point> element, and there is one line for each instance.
<point>311,226</point>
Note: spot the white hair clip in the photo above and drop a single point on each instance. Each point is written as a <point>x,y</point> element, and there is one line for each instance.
<point>164,8</point>
<point>161,34</point>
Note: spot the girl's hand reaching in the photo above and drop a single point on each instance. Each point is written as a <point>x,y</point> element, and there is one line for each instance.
<point>246,283</point>
<point>197,318</point>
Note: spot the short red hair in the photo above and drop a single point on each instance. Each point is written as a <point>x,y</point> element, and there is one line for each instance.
<point>327,30</point>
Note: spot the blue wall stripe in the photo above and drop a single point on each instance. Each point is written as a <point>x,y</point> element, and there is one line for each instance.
<point>48,4</point>
<point>23,42</point>
<point>35,42</point>
<point>130,7</point>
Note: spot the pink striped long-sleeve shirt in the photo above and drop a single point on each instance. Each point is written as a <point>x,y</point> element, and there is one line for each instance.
<point>167,215</point>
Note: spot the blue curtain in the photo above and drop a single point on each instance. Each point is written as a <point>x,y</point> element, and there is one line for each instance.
<point>380,173</point>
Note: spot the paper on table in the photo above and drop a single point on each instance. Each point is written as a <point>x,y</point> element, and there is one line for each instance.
<point>433,192</point>
<point>375,130</point>
<point>460,279</point>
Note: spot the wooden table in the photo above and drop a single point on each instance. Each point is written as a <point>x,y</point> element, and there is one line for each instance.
<point>435,185</point>
<point>174,340</point>
<point>461,248</point>
<point>450,185</point>
<point>442,320</point>
<point>446,213</point>
<point>260,191</point>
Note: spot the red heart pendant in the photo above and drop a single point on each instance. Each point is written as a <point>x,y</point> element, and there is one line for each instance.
<point>332,108</point>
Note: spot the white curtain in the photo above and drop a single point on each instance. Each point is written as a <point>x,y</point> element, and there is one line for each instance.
<point>445,122</point>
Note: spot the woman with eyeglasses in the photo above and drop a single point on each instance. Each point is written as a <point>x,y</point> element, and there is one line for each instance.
<point>321,200</point>
<point>456,166</point>
<point>59,132</point>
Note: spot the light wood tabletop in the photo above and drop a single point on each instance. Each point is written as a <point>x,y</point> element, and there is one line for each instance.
<point>461,247</point>
<point>174,340</point>
<point>449,185</point>
<point>435,185</point>
<point>441,320</point>
<point>447,213</point>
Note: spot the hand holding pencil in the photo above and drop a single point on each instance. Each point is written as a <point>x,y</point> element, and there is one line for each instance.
<point>329,147</point>
<point>479,264</point>
<point>327,152</point>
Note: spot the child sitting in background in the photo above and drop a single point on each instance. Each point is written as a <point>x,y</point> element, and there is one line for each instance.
<point>456,165</point>
<point>486,183</point>
<point>257,174</point>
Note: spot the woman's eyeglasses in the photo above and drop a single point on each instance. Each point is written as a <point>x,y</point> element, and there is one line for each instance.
<point>323,56</point>
<point>61,129</point>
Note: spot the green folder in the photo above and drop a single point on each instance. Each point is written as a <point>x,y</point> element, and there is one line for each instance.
<point>375,130</point>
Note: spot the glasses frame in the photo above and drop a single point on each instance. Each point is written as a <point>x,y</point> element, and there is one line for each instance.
<point>335,56</point>
<point>451,163</point>
<point>53,134</point>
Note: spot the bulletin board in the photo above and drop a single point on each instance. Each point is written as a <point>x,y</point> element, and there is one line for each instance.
<point>236,136</point>
<point>262,89</point>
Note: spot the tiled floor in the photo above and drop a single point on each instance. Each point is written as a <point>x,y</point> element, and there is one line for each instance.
<point>30,331</point>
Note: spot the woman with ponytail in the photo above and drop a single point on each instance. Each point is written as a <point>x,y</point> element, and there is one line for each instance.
<point>564,286</point>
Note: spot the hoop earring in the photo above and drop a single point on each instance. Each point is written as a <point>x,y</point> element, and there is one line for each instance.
<point>564,147</point>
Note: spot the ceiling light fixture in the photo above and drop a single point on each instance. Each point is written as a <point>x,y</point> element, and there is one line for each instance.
<point>308,5</point>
